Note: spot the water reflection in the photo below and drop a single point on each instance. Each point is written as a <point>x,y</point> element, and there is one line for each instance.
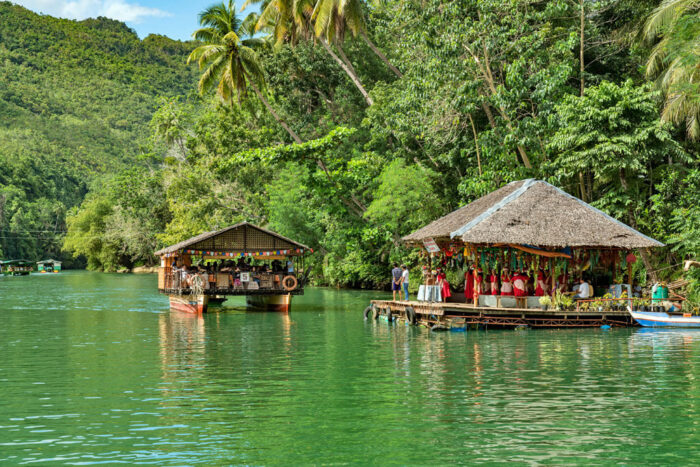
<point>118,378</point>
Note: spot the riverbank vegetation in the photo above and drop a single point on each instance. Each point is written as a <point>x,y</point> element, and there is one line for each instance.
<point>346,125</point>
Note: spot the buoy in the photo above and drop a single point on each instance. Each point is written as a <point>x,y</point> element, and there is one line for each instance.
<point>605,326</point>
<point>289,283</point>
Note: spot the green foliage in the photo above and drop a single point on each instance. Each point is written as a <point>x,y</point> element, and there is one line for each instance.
<point>614,134</point>
<point>75,100</point>
<point>405,199</point>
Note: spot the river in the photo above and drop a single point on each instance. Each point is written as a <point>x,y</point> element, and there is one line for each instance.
<point>95,369</point>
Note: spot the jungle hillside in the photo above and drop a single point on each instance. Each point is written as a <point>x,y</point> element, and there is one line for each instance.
<point>345,124</point>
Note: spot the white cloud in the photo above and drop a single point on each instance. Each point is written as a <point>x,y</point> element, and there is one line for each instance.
<point>80,9</point>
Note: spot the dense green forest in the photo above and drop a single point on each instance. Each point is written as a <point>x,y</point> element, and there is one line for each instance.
<point>76,99</point>
<point>347,124</point>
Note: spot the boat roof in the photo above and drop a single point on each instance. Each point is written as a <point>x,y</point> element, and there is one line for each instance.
<point>17,261</point>
<point>241,237</point>
<point>46,261</point>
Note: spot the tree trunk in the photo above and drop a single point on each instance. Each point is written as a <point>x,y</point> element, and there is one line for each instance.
<point>349,70</point>
<point>581,64</point>
<point>476,144</point>
<point>291,132</point>
<point>381,55</point>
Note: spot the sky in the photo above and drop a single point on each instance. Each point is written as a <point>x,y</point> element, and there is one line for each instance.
<point>173,18</point>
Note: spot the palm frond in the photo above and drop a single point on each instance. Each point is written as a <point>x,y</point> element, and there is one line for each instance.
<point>211,75</point>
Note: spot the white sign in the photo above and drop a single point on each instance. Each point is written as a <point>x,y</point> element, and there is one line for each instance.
<point>431,246</point>
<point>245,277</point>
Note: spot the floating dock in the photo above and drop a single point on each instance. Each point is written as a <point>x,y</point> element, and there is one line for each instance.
<point>460,315</point>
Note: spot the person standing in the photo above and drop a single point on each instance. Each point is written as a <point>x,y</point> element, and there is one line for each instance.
<point>396,280</point>
<point>404,280</point>
<point>506,282</point>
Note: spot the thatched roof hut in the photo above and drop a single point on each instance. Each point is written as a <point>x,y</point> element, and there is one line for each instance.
<point>240,238</point>
<point>532,212</point>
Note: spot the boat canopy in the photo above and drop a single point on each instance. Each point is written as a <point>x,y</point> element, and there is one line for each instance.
<point>243,239</point>
<point>17,262</point>
<point>49,261</point>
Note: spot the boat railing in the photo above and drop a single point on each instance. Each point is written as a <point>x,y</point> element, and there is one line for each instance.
<point>223,282</point>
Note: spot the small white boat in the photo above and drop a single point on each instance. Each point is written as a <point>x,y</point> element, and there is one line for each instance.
<point>657,319</point>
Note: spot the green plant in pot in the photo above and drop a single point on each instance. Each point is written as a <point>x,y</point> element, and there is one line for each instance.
<point>545,301</point>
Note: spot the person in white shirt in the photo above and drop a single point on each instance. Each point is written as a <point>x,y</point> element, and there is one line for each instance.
<point>584,289</point>
<point>404,280</point>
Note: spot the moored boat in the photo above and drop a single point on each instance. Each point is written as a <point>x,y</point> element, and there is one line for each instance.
<point>16,267</point>
<point>662,319</point>
<point>240,260</point>
<point>48,266</point>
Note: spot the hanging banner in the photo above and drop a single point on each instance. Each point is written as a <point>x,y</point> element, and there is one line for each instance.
<point>431,246</point>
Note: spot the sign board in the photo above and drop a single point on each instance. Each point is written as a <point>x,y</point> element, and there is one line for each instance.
<point>431,246</point>
<point>245,277</point>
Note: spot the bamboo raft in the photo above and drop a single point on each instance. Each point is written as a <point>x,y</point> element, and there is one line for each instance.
<point>458,315</point>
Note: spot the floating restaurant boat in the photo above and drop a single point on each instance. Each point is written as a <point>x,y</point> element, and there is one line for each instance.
<point>241,260</point>
<point>49,265</point>
<point>655,319</point>
<point>16,267</point>
<point>529,238</point>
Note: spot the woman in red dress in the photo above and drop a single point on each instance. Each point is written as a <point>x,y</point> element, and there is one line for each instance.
<point>506,282</point>
<point>444,285</point>
<point>493,279</point>
<point>469,284</point>
<point>540,285</point>
<point>478,280</point>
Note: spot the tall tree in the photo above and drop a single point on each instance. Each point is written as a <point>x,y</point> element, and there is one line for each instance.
<point>291,20</point>
<point>334,17</point>
<point>229,65</point>
<point>675,60</point>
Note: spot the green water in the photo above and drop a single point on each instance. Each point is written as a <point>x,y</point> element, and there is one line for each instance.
<point>95,369</point>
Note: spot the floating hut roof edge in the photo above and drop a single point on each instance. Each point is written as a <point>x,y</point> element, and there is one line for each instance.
<point>533,212</point>
<point>243,236</point>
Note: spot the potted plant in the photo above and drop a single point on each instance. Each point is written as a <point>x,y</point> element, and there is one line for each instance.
<point>546,301</point>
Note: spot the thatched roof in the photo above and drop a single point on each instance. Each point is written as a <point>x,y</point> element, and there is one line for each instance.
<point>533,212</point>
<point>239,238</point>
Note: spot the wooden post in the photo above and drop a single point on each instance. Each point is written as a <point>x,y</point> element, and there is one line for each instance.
<point>629,271</point>
<point>553,279</point>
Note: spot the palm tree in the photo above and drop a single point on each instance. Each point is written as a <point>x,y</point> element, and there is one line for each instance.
<point>290,21</point>
<point>675,60</point>
<point>228,63</point>
<point>333,17</point>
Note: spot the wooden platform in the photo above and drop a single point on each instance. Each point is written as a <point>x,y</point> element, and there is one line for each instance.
<point>461,314</point>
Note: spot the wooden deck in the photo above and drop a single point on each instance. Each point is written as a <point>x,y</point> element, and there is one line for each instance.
<point>461,314</point>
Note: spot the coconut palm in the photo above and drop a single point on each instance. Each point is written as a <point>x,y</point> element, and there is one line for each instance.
<point>289,21</point>
<point>675,60</point>
<point>332,18</point>
<point>229,64</point>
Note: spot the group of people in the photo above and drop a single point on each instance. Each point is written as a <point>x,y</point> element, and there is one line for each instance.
<point>206,274</point>
<point>519,283</point>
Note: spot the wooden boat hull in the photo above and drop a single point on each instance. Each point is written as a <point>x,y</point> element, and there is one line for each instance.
<point>269,302</point>
<point>657,320</point>
<point>189,303</point>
